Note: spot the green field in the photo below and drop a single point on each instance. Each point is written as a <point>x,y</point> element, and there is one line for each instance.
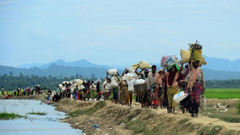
<point>222,93</point>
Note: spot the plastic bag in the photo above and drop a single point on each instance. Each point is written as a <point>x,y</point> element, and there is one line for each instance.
<point>80,87</point>
<point>106,86</point>
<point>142,65</point>
<point>203,102</point>
<point>185,55</point>
<point>131,85</point>
<point>112,72</point>
<point>114,82</point>
<point>128,76</point>
<point>139,81</point>
<point>163,60</point>
<point>180,96</point>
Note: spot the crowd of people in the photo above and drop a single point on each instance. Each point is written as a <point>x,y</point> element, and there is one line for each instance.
<point>161,87</point>
<point>88,92</point>
<point>21,91</point>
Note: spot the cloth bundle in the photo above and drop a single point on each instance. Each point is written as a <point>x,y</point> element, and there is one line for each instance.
<point>185,55</point>
<point>112,72</point>
<point>173,61</point>
<point>139,81</point>
<point>142,65</point>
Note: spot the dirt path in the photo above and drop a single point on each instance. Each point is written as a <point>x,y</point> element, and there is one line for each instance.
<point>115,119</point>
<point>118,119</point>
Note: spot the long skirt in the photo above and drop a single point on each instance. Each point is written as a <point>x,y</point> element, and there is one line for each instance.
<point>124,95</point>
<point>171,93</point>
<point>192,102</point>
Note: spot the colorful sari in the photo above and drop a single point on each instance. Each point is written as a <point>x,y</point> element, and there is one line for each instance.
<point>192,102</point>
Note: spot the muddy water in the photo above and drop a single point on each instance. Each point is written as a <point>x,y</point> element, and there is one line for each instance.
<point>49,124</point>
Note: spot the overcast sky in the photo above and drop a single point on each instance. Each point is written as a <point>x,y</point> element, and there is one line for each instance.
<point>115,32</point>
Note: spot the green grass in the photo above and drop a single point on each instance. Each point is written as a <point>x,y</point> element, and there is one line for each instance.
<point>209,130</point>
<point>222,93</point>
<point>230,118</point>
<point>37,113</point>
<point>238,108</point>
<point>5,115</point>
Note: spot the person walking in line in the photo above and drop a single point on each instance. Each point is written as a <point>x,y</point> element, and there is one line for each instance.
<point>98,91</point>
<point>75,93</point>
<point>151,79</point>
<point>172,87</point>
<point>195,87</point>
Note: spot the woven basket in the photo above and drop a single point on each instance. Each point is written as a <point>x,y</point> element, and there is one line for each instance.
<point>140,88</point>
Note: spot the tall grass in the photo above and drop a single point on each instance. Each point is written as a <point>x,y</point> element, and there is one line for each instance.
<point>37,113</point>
<point>5,115</point>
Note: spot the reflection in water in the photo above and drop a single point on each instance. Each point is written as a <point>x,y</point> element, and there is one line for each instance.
<point>33,124</point>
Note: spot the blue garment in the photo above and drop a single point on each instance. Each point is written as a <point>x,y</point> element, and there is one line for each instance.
<point>75,97</point>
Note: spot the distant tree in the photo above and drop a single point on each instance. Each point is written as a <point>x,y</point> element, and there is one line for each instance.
<point>21,74</point>
<point>11,73</point>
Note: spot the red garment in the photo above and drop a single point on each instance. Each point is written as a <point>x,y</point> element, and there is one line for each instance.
<point>154,98</point>
<point>155,102</point>
<point>78,96</point>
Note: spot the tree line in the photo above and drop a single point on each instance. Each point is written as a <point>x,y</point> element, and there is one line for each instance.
<point>11,82</point>
<point>86,72</point>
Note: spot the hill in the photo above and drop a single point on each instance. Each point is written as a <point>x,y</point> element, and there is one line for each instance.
<point>222,64</point>
<point>89,72</point>
<point>79,63</point>
<point>212,63</point>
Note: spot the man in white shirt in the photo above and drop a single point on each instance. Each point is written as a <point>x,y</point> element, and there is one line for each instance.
<point>152,76</point>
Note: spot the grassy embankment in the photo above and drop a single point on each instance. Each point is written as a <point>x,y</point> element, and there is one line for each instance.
<point>225,95</point>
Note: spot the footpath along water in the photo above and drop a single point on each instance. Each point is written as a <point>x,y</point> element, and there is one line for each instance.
<point>33,124</point>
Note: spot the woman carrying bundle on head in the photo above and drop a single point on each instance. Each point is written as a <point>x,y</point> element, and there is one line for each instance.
<point>196,82</point>
<point>172,74</point>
